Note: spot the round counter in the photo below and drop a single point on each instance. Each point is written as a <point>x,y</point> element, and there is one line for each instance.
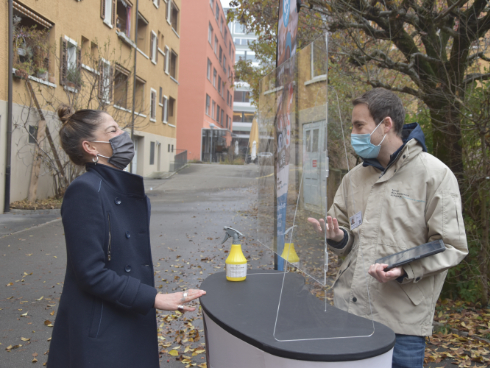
<point>239,320</point>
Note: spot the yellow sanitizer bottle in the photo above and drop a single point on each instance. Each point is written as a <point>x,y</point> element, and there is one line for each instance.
<point>236,263</point>
<point>289,253</point>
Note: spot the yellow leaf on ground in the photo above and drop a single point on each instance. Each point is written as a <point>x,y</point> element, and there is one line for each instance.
<point>173,352</point>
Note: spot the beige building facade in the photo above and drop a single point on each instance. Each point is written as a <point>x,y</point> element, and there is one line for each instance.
<point>82,53</point>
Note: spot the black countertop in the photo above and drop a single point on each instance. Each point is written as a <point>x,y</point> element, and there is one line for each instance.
<point>248,310</point>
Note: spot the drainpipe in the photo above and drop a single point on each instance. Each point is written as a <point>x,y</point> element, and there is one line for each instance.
<point>134,78</point>
<point>6,207</point>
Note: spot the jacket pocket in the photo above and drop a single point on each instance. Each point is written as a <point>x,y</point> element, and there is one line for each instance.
<point>109,242</point>
<point>413,292</point>
<point>97,309</point>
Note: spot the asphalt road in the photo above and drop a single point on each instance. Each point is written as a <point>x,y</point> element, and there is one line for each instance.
<point>189,211</point>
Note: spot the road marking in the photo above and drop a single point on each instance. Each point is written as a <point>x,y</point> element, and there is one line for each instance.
<point>261,177</point>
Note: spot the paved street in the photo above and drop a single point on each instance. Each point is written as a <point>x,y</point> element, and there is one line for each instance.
<point>188,214</point>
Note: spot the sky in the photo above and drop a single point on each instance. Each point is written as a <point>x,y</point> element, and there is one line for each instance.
<point>225,3</point>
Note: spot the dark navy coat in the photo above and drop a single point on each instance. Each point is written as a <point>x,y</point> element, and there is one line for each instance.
<point>106,316</point>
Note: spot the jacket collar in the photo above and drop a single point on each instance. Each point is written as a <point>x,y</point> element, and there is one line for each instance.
<point>409,132</point>
<point>121,181</point>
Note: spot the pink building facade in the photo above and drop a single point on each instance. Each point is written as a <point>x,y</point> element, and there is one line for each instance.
<point>207,57</point>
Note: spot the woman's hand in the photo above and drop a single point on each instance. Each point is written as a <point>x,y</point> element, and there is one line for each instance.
<point>334,232</point>
<point>172,301</point>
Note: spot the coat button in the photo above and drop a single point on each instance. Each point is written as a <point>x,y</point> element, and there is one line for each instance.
<point>417,279</point>
<point>127,268</point>
<point>354,299</point>
<point>117,201</point>
<point>404,156</point>
<point>128,235</point>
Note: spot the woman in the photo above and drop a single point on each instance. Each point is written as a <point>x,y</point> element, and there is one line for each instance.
<point>106,315</point>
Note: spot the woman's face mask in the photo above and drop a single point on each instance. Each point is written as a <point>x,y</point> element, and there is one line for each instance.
<point>363,146</point>
<point>122,150</point>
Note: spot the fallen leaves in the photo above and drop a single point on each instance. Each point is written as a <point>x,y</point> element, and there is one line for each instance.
<point>48,323</point>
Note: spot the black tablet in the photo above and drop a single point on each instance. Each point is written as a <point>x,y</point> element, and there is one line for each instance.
<point>412,254</point>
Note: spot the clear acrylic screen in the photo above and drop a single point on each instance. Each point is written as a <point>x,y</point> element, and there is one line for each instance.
<point>300,124</point>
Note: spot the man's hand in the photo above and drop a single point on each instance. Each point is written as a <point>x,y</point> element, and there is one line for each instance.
<point>377,271</point>
<point>333,231</point>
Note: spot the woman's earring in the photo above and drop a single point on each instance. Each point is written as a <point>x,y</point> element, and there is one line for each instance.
<point>95,159</point>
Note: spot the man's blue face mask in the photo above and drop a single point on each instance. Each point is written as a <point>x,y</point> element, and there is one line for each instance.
<point>363,146</point>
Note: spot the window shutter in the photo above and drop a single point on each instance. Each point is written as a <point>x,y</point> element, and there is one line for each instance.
<point>111,82</point>
<point>152,40</point>
<point>169,9</point>
<point>156,49</point>
<point>114,5</point>
<point>79,64</point>
<point>63,61</point>
<point>102,9</point>
<point>100,80</point>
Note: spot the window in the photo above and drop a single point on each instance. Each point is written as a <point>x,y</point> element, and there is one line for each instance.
<point>121,87</point>
<point>165,109</point>
<point>215,45</point>
<point>154,47</point>
<point>214,78</point>
<point>153,104</point>
<point>123,18</point>
<point>70,63</point>
<point>156,3</point>
<point>105,81</point>
<point>108,11</point>
<point>242,96</point>
<point>222,117</point>
<point>229,49</point>
<point>318,59</point>
<point>245,117</point>
<point>32,134</point>
<point>220,55</point>
<point>223,89</point>
<point>175,18</point>
<point>173,15</point>
<point>173,65</point>
<point>221,25</point>
<point>167,59</point>
<point>227,97</point>
<point>240,29</point>
<point>219,85</point>
<point>210,35</point>
<point>152,153</point>
<point>139,95</point>
<point>160,95</point>
<point>211,2</point>
<point>217,113</point>
<point>142,33</point>
<point>208,103</point>
<point>224,63</point>
<point>209,70</point>
<point>213,111</point>
<point>217,11</point>
<point>171,110</point>
<point>226,35</point>
<point>226,121</point>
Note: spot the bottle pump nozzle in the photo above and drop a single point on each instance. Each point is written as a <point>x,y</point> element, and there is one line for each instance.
<point>232,233</point>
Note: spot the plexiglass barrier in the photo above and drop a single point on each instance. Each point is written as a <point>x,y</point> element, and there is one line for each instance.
<point>301,128</point>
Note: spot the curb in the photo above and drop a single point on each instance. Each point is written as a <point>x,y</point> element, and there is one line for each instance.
<point>16,211</point>
<point>30,228</point>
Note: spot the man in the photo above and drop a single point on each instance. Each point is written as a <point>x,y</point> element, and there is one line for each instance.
<point>398,198</point>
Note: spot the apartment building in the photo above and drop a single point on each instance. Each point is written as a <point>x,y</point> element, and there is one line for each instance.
<point>206,84</point>
<point>83,53</point>
<point>243,110</point>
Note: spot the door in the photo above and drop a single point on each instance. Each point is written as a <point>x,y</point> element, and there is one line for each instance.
<point>312,168</point>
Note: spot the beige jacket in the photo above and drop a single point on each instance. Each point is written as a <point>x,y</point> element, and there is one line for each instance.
<point>417,200</point>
